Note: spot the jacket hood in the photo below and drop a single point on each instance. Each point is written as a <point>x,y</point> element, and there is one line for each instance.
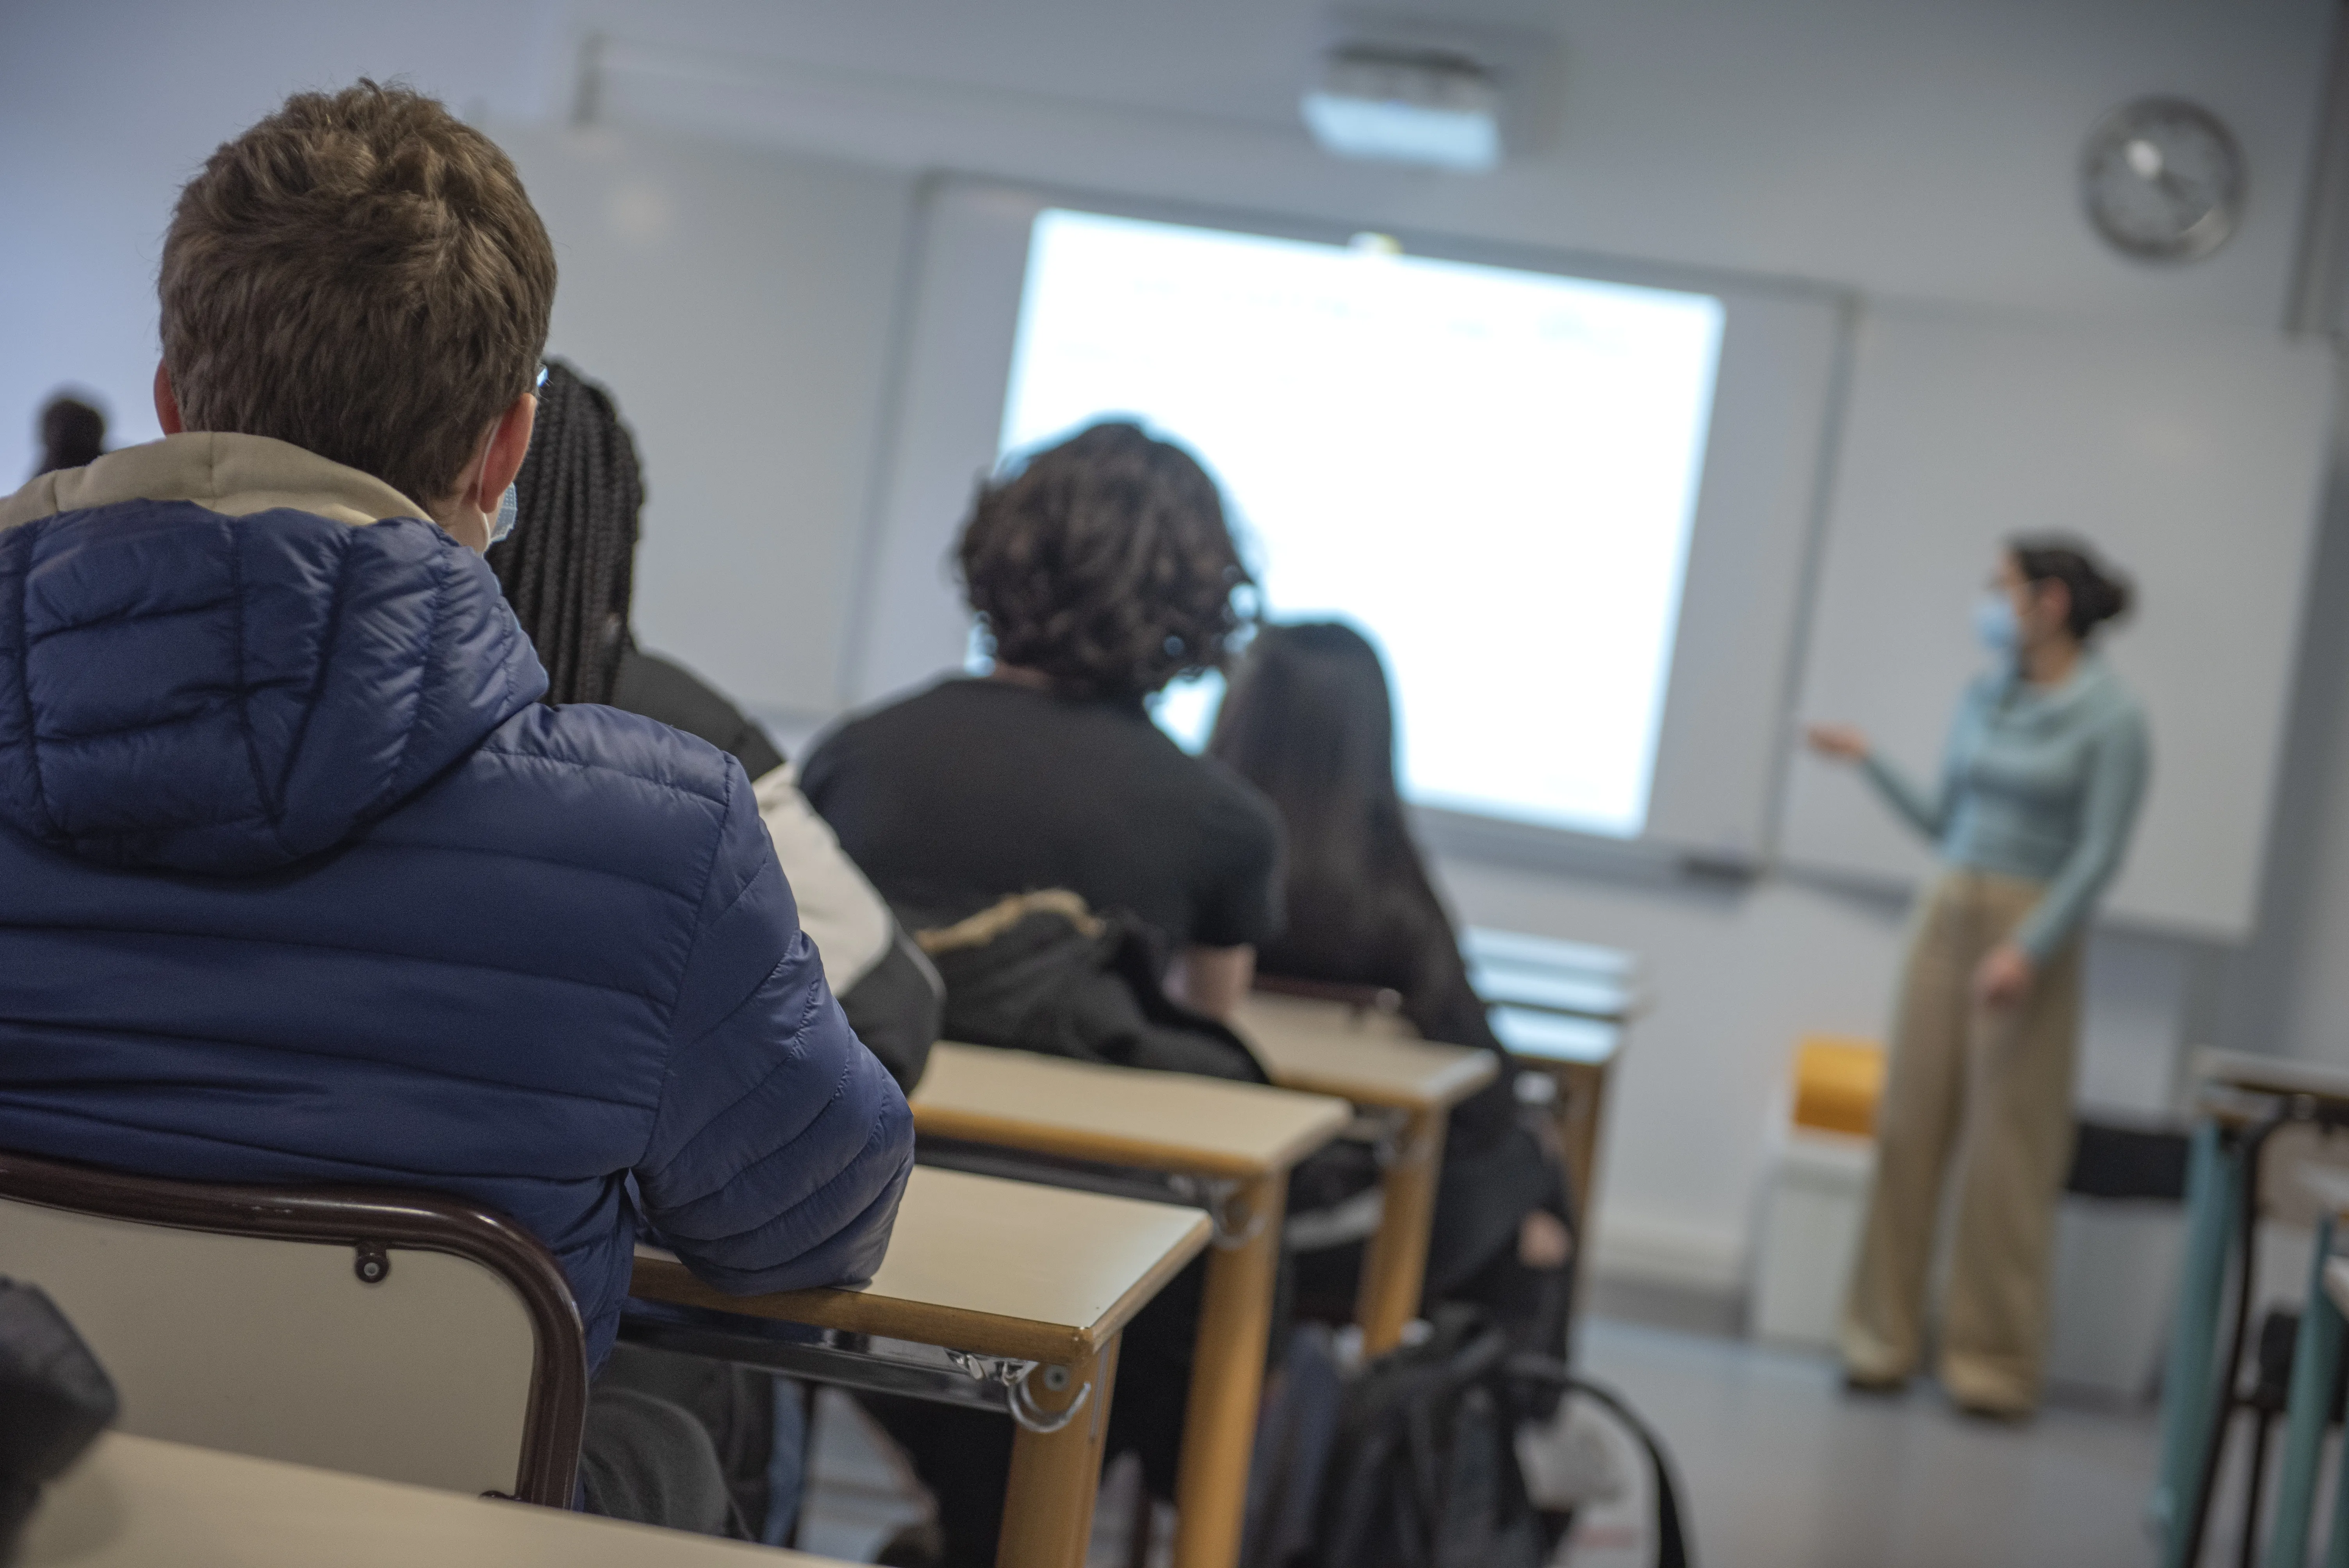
<point>222,653</point>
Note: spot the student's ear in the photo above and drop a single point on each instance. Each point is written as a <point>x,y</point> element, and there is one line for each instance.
<point>468,516</point>
<point>501,461</point>
<point>167,402</point>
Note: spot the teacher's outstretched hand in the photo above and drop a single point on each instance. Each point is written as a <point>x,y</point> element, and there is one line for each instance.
<point>1840,741</point>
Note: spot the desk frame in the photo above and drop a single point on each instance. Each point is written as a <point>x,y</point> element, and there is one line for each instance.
<point>1250,1198</point>
<point>2222,1207</point>
<point>1056,1451</point>
<point>1419,1091</point>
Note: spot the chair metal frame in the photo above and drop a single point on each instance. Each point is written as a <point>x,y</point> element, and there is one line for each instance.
<point>370,1221</point>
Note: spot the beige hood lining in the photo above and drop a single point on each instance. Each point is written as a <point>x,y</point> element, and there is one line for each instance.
<point>230,474</point>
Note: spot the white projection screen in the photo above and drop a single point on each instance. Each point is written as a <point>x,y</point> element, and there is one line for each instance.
<point>1489,471</point>
<point>1572,501</point>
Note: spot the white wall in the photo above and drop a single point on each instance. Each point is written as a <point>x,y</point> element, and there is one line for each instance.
<point>739,307</point>
<point>2289,991</point>
<point>106,108</point>
<point>1922,155</point>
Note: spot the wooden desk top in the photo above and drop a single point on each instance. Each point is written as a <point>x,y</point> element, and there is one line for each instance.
<point>1321,1047</point>
<point>1485,944</point>
<point>1600,997</point>
<point>983,1265</point>
<point>134,1502</point>
<point>2270,1075</point>
<point>1120,1116</point>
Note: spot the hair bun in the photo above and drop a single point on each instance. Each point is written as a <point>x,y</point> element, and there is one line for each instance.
<point>2099,593</point>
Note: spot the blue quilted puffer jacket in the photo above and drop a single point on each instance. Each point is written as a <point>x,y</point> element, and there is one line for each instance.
<point>299,882</point>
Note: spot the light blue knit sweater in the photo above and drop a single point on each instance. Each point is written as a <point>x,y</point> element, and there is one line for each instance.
<point>2037,782</point>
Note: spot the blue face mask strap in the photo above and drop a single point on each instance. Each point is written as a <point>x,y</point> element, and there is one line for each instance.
<point>509,508</point>
<point>510,503</point>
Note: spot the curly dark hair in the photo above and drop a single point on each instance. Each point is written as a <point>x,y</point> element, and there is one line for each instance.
<point>1104,564</point>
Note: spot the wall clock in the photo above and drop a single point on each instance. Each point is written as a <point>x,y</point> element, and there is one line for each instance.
<point>2163,180</point>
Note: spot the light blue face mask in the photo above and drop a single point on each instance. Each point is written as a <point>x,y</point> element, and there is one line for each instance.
<point>509,508</point>
<point>1994,623</point>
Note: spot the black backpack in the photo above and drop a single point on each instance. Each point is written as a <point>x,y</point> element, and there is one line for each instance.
<point>1422,1472</point>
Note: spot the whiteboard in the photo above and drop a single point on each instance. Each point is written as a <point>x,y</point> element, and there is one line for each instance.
<point>2194,458</point>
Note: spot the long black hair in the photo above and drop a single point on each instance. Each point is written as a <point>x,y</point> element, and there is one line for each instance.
<point>1309,720</point>
<point>569,568</point>
<point>2098,592</point>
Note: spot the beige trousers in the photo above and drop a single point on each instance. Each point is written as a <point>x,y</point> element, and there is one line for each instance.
<point>1983,1097</point>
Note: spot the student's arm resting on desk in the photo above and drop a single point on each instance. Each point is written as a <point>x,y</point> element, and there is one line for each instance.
<point>1214,979</point>
<point>780,1146</point>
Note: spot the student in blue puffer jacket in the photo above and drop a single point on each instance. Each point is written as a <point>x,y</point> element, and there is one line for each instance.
<point>299,879</point>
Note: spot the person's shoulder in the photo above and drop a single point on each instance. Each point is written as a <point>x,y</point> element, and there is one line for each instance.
<point>1987,689</point>
<point>1233,809</point>
<point>665,690</point>
<point>2117,710</point>
<point>904,719</point>
<point>584,788</point>
<point>609,748</point>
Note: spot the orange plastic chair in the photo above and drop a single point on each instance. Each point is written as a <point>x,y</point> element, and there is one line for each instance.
<point>1839,1078</point>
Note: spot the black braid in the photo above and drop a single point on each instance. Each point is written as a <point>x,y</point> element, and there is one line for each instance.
<point>568,570</point>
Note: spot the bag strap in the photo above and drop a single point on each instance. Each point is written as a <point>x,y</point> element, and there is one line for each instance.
<point>1672,1535</point>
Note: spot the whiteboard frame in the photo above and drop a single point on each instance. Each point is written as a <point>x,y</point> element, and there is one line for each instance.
<point>1744,603</point>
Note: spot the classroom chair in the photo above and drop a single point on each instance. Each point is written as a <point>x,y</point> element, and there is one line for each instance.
<point>403,1336</point>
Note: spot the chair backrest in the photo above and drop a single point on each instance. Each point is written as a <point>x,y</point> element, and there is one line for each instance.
<point>400,1334</point>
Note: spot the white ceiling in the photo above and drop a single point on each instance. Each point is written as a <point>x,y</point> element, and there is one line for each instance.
<point>1917,150</point>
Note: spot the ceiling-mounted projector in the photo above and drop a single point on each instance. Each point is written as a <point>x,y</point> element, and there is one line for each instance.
<point>1406,105</point>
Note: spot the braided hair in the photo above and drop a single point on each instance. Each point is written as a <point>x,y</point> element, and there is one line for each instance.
<point>569,567</point>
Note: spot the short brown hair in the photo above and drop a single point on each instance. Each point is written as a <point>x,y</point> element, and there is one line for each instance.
<point>360,274</point>
<point>1106,565</point>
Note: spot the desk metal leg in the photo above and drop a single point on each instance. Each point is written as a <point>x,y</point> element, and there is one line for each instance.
<point>1394,1265</point>
<point>1048,1507</point>
<point>2336,1550</point>
<point>2190,1385</point>
<point>2315,1358</point>
<point>1581,1113</point>
<point>1226,1377</point>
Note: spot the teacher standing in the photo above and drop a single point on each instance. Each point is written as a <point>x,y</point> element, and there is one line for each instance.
<point>2039,789</point>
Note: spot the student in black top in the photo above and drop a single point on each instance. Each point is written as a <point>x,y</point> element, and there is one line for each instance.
<point>1309,721</point>
<point>1099,570</point>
